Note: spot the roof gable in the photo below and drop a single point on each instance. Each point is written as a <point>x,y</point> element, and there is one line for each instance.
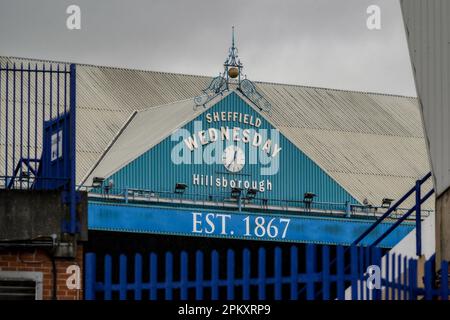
<point>286,173</point>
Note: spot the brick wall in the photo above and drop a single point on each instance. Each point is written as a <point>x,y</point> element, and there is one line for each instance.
<point>37,260</point>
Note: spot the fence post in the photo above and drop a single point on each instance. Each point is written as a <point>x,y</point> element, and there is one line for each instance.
<point>153,276</point>
<point>73,102</point>
<point>123,277</point>
<point>278,274</point>
<point>326,272</point>
<point>108,278</point>
<point>169,276</point>
<point>340,273</point>
<point>405,278</point>
<point>364,259</point>
<point>262,274</point>
<point>246,274</point>
<point>429,270</point>
<point>7,121</point>
<point>90,279</point>
<point>393,276</point>
<point>199,275</point>
<point>28,119</point>
<point>376,260</point>
<point>310,270</point>
<point>230,274</point>
<point>294,273</point>
<point>399,277</point>
<point>387,282</point>
<point>21,115</point>
<point>184,276</point>
<point>412,277</point>
<point>14,119</point>
<point>354,271</point>
<point>137,277</point>
<point>214,275</point>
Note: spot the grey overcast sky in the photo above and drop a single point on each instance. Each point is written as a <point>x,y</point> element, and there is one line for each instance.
<point>323,43</point>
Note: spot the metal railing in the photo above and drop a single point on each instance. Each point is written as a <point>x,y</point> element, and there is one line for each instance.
<point>417,209</point>
<point>37,129</point>
<point>224,200</point>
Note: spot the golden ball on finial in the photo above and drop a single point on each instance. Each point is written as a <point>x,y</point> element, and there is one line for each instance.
<point>233,72</point>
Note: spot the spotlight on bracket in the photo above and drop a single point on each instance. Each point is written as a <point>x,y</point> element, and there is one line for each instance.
<point>236,193</point>
<point>251,194</point>
<point>180,187</point>
<point>97,182</point>
<point>308,197</point>
<point>386,202</point>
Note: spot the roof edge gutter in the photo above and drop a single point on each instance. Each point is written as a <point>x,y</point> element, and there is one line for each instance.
<point>113,141</point>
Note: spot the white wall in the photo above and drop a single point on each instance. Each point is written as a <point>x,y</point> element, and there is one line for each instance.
<point>427,26</point>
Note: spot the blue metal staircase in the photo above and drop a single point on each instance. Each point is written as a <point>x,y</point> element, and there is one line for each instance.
<point>416,208</point>
<point>419,200</point>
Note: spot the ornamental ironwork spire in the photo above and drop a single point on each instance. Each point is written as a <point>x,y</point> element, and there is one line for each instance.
<point>233,66</point>
<point>232,75</point>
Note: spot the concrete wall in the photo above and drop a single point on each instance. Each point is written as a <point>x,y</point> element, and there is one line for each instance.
<point>27,220</point>
<point>427,27</point>
<point>443,226</point>
<point>27,214</point>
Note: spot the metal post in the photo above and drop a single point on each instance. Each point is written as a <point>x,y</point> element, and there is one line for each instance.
<point>418,220</point>
<point>90,268</point>
<point>348,209</point>
<point>240,203</point>
<point>72,148</point>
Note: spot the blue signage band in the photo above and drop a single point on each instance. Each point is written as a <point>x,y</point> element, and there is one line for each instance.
<point>236,225</point>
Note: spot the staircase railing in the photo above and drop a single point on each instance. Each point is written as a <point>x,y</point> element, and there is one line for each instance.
<point>419,200</point>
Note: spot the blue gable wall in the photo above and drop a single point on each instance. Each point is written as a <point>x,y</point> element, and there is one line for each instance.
<point>297,173</point>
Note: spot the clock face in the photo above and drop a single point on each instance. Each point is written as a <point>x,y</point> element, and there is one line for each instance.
<point>233,158</point>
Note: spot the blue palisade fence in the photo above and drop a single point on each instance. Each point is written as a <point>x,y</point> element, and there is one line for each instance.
<point>323,273</point>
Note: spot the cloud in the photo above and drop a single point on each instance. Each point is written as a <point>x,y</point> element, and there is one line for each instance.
<point>310,42</point>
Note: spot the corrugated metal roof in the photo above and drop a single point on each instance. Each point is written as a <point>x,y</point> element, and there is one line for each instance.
<point>372,144</point>
<point>133,141</point>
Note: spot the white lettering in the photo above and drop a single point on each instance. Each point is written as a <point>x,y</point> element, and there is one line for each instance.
<point>195,222</point>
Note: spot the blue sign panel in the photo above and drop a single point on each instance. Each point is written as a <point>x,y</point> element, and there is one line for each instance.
<point>54,170</point>
<point>237,225</point>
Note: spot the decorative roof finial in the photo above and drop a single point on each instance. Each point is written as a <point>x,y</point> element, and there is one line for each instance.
<point>232,36</point>
<point>233,66</point>
<point>232,70</point>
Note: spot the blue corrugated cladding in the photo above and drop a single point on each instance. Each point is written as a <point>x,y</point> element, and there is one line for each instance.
<point>297,174</point>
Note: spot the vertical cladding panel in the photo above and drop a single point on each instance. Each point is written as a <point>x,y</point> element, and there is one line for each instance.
<point>428,35</point>
<point>297,174</point>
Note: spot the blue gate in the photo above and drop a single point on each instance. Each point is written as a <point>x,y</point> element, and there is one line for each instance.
<point>37,130</point>
<point>323,272</point>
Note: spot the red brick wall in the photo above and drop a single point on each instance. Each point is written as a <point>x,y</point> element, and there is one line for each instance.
<point>37,260</point>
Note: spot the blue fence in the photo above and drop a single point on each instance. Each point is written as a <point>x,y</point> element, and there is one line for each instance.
<point>37,129</point>
<point>309,272</point>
